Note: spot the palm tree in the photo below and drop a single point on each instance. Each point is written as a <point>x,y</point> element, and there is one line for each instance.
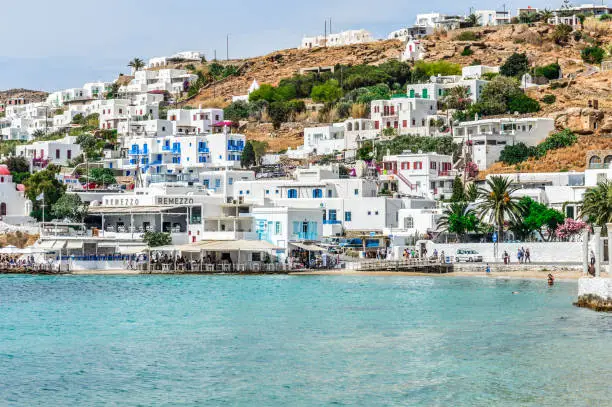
<point>546,15</point>
<point>137,64</point>
<point>472,20</point>
<point>458,218</point>
<point>597,204</point>
<point>497,202</point>
<point>471,192</point>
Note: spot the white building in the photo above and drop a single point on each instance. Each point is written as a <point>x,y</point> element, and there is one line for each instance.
<point>15,208</point>
<point>284,226</point>
<point>414,51</point>
<point>167,157</point>
<point>438,86</point>
<point>43,153</point>
<point>487,138</point>
<point>428,175</point>
<point>254,86</point>
<point>492,17</point>
<point>173,81</point>
<point>194,121</point>
<point>411,115</point>
<point>477,71</point>
<point>345,137</point>
<point>410,33</point>
<point>337,40</point>
<point>571,20</point>
<point>182,56</point>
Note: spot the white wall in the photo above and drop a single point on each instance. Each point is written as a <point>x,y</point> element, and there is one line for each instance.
<point>554,252</point>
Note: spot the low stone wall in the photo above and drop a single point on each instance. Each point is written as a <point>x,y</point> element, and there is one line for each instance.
<point>550,252</point>
<point>595,293</point>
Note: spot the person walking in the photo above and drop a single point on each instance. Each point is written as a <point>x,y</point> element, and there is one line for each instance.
<point>527,255</point>
<point>519,255</point>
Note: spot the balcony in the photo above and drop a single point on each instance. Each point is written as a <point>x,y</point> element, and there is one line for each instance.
<point>304,236</point>
<point>331,222</point>
<point>203,150</point>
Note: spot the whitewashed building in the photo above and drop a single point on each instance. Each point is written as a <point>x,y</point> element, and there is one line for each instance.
<point>408,115</point>
<point>173,81</point>
<point>42,153</point>
<point>15,208</point>
<point>337,40</point>
<point>428,175</point>
<point>492,17</point>
<point>488,137</point>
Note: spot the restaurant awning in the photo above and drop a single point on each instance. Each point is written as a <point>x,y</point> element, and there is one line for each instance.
<point>74,244</point>
<point>46,244</point>
<point>132,249</point>
<point>308,247</point>
<point>221,246</point>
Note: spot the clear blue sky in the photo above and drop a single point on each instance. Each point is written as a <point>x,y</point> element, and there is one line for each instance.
<point>51,45</point>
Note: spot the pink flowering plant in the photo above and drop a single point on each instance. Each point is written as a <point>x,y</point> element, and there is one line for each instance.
<point>570,228</point>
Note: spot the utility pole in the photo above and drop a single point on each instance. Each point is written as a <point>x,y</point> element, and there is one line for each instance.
<point>330,26</point>
<point>215,56</point>
<point>325,35</point>
<point>227,47</point>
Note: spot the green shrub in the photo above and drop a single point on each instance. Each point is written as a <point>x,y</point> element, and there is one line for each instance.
<point>550,71</point>
<point>467,36</point>
<point>514,154</point>
<point>516,65</point>
<point>562,139</point>
<point>605,17</point>
<point>593,55</point>
<point>561,33</point>
<point>467,51</point>
<point>523,104</point>
<point>549,99</point>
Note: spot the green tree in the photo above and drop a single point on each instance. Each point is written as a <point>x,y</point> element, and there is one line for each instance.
<point>550,71</point>
<point>102,176</point>
<point>537,217</point>
<point>516,65</point>
<point>457,98</point>
<point>497,203</point>
<point>38,133</point>
<point>137,64</point>
<point>597,204</point>
<point>236,111</point>
<point>248,158</point>
<point>17,164</point>
<point>593,54</point>
<point>458,191</point>
<point>366,151</point>
<point>157,239</point>
<point>458,218</point>
<point>259,148</point>
<point>523,104</point>
<point>501,95</point>
<point>329,92</point>
<point>265,92</point>
<point>43,182</point>
<point>279,113</point>
<point>69,206</point>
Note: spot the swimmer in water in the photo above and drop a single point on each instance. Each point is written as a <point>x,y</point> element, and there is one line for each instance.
<point>515,292</point>
<point>551,279</point>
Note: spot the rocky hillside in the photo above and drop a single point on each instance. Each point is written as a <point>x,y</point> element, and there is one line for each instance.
<point>273,67</point>
<point>564,159</point>
<point>29,95</point>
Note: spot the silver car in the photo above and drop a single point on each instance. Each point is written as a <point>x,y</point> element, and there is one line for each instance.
<point>467,255</point>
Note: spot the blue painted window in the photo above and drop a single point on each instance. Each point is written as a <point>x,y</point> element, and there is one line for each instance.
<point>332,214</point>
<point>292,193</point>
<point>317,193</point>
<point>347,216</point>
<point>217,183</point>
<point>230,180</point>
<point>329,193</point>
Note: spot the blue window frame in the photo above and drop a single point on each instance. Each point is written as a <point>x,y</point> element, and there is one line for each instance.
<point>347,216</point>
<point>332,215</point>
<point>230,180</point>
<point>356,191</point>
<point>292,193</point>
<point>329,193</point>
<point>317,193</point>
<point>217,183</point>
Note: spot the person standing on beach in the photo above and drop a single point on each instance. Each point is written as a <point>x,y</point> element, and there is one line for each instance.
<point>527,255</point>
<point>488,269</point>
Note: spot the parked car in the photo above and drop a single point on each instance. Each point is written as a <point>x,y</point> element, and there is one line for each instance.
<point>467,255</point>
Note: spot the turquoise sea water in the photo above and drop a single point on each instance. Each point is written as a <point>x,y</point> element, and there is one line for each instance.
<point>299,341</point>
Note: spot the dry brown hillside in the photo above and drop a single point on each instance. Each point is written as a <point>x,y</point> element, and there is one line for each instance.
<point>564,159</point>
<point>29,95</point>
<point>273,67</point>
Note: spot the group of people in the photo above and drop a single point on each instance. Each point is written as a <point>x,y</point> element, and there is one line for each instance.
<point>522,255</point>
